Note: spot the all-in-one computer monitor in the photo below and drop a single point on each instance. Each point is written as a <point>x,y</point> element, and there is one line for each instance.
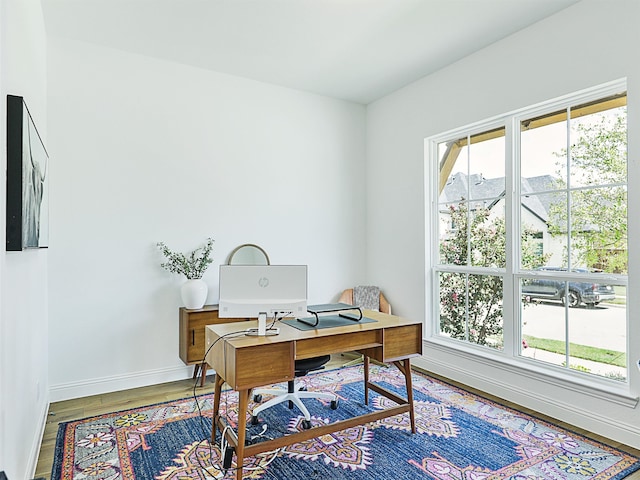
<point>246,291</point>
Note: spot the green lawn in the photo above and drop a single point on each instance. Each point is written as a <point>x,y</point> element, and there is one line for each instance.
<point>609,357</point>
<point>621,296</point>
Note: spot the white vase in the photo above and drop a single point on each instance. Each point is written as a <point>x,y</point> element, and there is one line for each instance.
<point>194,293</point>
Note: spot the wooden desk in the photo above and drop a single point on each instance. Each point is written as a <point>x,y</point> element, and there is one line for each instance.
<point>246,362</point>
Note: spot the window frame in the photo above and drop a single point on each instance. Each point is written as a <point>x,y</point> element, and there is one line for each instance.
<point>513,273</point>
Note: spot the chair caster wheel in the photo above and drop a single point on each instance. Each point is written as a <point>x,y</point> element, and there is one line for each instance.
<point>334,404</point>
<point>257,398</point>
<point>254,420</point>
<point>306,424</point>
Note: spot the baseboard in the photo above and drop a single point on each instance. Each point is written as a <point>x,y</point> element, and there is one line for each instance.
<point>97,386</point>
<point>567,412</point>
<point>37,441</point>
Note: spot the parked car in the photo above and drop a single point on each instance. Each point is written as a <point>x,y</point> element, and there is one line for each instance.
<point>589,293</point>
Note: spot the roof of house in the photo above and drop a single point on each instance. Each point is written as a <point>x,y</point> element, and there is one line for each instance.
<point>490,190</point>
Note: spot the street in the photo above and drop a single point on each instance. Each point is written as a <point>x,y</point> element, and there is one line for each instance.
<point>603,326</point>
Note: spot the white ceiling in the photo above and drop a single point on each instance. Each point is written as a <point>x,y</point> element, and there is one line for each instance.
<point>357,50</point>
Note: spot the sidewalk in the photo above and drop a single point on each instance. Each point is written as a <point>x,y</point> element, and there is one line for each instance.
<point>601,369</point>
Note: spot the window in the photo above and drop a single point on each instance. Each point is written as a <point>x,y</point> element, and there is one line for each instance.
<point>472,252</point>
<point>532,234</point>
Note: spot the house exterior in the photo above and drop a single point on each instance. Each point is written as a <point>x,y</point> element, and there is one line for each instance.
<point>489,193</point>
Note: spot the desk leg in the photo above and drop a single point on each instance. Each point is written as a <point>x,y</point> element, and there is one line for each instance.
<point>217,391</point>
<point>365,362</point>
<point>203,377</point>
<point>243,402</point>
<point>405,367</point>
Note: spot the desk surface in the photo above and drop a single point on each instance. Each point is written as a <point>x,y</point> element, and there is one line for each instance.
<point>288,333</point>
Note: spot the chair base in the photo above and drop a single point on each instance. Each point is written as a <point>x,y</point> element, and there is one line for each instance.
<point>294,397</point>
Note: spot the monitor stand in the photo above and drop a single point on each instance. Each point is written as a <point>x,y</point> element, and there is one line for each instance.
<point>262,330</point>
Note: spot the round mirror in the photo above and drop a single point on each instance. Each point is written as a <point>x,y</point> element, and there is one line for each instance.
<point>248,254</point>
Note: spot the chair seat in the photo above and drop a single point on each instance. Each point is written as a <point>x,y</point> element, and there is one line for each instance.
<point>307,365</point>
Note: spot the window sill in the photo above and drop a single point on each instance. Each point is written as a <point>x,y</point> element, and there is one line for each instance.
<point>600,388</point>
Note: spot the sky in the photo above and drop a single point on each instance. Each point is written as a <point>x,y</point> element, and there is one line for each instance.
<point>538,148</point>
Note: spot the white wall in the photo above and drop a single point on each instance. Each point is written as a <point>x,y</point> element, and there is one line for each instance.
<point>588,44</point>
<point>23,275</point>
<point>149,151</point>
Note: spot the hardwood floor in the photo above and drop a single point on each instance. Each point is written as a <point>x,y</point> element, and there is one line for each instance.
<point>100,404</point>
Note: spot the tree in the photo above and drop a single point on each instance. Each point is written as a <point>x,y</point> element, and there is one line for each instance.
<point>598,215</point>
<point>482,243</point>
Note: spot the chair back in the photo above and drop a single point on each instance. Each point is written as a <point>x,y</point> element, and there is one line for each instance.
<point>347,296</point>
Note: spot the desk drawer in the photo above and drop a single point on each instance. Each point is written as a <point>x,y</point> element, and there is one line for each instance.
<point>260,365</point>
<point>402,342</point>
<point>343,342</point>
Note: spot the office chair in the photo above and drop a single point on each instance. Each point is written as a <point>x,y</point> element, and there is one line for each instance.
<point>293,396</point>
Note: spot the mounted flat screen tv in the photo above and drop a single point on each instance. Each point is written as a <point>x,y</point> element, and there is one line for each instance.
<point>27,180</point>
<point>248,290</point>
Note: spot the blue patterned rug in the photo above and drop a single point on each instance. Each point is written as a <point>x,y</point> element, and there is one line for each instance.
<point>460,436</point>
